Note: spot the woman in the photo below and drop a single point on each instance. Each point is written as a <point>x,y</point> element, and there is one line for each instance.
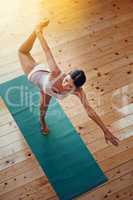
<point>52,82</point>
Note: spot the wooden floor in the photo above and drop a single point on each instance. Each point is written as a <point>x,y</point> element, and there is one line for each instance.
<point>96,36</point>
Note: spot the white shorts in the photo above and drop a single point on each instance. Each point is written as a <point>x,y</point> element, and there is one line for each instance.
<point>37,77</point>
<point>39,67</point>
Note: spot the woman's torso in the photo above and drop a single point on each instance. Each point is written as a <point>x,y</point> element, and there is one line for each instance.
<point>51,86</point>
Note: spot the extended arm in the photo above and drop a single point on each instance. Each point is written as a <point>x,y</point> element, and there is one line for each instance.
<point>93,115</point>
<point>50,59</point>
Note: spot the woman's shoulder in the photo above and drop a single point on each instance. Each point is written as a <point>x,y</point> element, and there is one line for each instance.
<point>56,75</point>
<point>78,91</point>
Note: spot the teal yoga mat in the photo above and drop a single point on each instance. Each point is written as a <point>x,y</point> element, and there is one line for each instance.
<point>65,159</point>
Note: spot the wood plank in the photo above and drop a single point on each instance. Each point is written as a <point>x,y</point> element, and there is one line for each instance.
<point>13,159</point>
<point>126,193</point>
<point>35,189</point>
<point>109,188</point>
<point>19,180</point>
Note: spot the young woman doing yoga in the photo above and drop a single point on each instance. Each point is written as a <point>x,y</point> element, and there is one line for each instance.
<point>53,82</point>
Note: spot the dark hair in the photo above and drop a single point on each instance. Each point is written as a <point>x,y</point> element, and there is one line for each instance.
<point>78,77</point>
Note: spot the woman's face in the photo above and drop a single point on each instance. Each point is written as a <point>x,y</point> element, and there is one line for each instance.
<point>68,83</point>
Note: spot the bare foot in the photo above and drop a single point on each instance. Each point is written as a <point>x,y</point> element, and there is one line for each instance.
<point>44,127</point>
<point>41,25</point>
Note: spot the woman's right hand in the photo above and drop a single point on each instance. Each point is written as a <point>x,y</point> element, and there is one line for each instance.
<point>109,137</point>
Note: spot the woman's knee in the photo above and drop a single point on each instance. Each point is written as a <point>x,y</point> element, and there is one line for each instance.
<point>27,62</point>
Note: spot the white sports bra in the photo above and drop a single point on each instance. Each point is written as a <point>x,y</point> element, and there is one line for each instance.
<point>39,75</point>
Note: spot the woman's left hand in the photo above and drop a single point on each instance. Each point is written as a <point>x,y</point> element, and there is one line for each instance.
<point>109,137</point>
<point>39,28</point>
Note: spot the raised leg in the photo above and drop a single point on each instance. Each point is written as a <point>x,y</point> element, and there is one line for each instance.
<point>26,60</point>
